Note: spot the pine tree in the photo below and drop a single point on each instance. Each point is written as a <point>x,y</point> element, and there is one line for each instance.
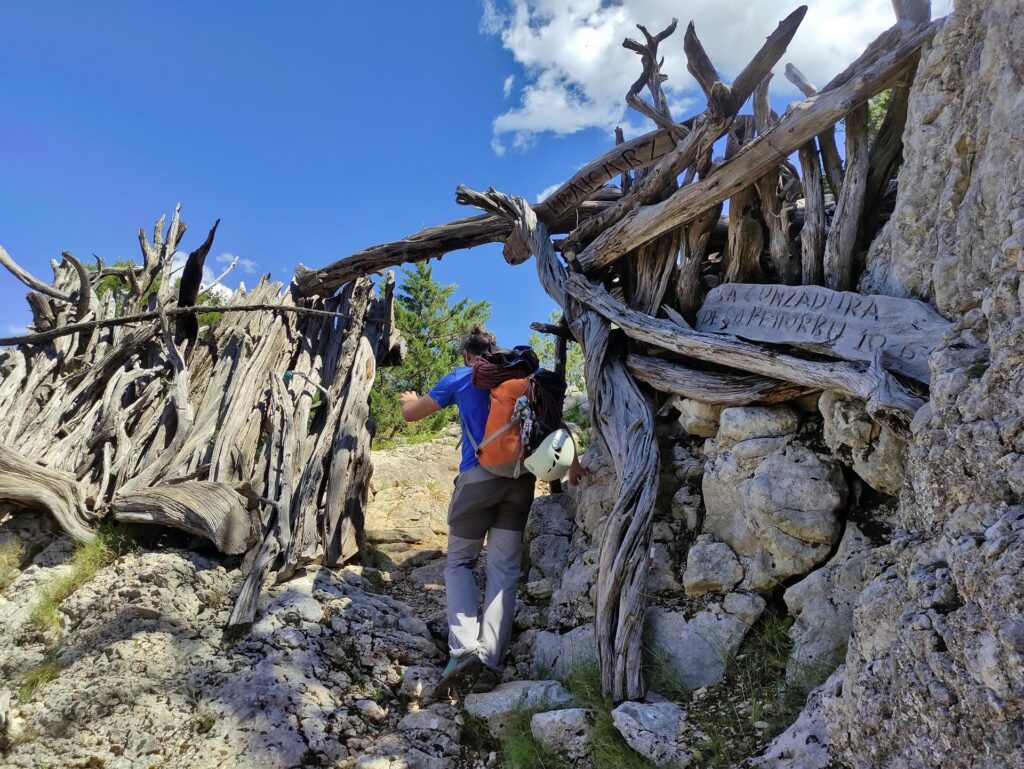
<point>433,326</point>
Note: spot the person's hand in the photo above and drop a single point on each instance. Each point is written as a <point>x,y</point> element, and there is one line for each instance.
<point>408,397</point>
<point>576,472</point>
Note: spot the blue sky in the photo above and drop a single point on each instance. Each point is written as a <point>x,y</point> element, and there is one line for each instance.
<point>311,129</point>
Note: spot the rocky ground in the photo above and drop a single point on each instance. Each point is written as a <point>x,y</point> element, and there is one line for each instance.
<point>340,668</point>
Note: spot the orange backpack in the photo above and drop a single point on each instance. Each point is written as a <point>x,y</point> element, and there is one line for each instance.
<point>499,451</point>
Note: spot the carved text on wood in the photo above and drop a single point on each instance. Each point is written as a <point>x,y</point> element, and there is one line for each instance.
<point>838,323</point>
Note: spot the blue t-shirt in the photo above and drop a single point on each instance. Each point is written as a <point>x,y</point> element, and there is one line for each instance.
<point>474,406</point>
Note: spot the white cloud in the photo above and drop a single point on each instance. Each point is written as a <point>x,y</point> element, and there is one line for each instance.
<point>247,266</point>
<point>209,275</point>
<point>506,88</point>
<point>547,191</point>
<point>576,72</point>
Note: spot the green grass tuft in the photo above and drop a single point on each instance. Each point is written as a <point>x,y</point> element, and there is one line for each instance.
<point>518,748</point>
<point>754,691</point>
<point>108,545</point>
<point>43,673</point>
<point>12,553</point>
<point>607,748</point>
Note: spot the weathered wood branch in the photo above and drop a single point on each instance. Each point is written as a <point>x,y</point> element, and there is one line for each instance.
<point>207,509</point>
<point>841,259</point>
<point>826,139</point>
<point>812,234</point>
<point>30,280</point>
<point>73,328</point>
<point>886,398</point>
<point>726,389</point>
<point>35,487</point>
<point>802,122</point>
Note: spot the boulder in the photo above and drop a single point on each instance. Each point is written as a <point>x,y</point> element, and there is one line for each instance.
<point>497,707</point>
<point>560,654</point>
<point>662,579</point>
<point>698,649</point>
<point>698,418</point>
<point>711,567</point>
<point>774,502</point>
<point>741,423</point>
<point>655,730</point>
<point>823,606</point>
<point>874,452</point>
<point>565,733</point>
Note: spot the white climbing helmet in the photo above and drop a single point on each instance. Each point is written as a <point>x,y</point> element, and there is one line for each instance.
<point>554,456</point>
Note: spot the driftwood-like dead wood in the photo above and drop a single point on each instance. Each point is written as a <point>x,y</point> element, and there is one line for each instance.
<point>48,336</point>
<point>826,139</point>
<point>803,121</point>
<point>812,234</point>
<point>30,280</point>
<point>840,260</point>
<point>887,400</point>
<point>32,486</point>
<point>724,389</point>
<point>187,325</point>
<point>840,324</point>
<point>623,426</point>
<point>723,103</point>
<point>769,190</point>
<point>211,510</point>
<point>741,262</point>
<point>689,292</point>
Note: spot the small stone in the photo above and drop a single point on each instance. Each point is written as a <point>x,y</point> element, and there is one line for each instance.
<point>711,567</point>
<point>540,589</point>
<point>498,706</point>
<point>655,731</point>
<point>563,732</point>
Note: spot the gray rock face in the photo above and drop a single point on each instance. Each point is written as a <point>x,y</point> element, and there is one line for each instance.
<point>594,496</point>
<point>547,539</point>
<point>654,730</point>
<point>711,567</point>
<point>773,502</point>
<point>804,745</point>
<point>559,654</point>
<point>496,707</point>
<point>874,452</point>
<point>698,648</point>
<point>572,602</point>
<point>823,605</point>
<point>565,733</point>
<point>935,668</point>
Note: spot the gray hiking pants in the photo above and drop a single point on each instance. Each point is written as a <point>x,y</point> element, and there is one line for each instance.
<point>485,505</point>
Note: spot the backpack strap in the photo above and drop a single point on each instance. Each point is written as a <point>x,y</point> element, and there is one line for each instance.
<point>504,428</point>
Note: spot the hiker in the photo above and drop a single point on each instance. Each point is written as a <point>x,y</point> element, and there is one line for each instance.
<point>483,505</point>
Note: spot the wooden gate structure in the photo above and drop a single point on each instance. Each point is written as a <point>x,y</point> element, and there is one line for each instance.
<point>255,431</point>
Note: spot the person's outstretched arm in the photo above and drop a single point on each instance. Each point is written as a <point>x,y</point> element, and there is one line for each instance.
<point>415,407</point>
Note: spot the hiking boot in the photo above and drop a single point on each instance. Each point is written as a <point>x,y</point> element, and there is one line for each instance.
<point>485,680</point>
<point>460,668</point>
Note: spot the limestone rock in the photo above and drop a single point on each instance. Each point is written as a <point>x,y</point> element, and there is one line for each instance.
<point>938,634</point>
<point>874,452</point>
<point>571,602</point>
<point>698,418</point>
<point>547,539</point>
<point>497,707</point>
<point>686,505</point>
<point>741,423</point>
<point>711,567</point>
<point>560,654</point>
<point>804,745</point>
<point>823,605</point>
<point>774,502</point>
<point>698,648</point>
<point>594,496</point>
<point>565,733</point>
<point>656,731</point>
<point>662,579</point>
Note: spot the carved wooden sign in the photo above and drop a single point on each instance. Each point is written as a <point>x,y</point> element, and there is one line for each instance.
<point>842,324</point>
